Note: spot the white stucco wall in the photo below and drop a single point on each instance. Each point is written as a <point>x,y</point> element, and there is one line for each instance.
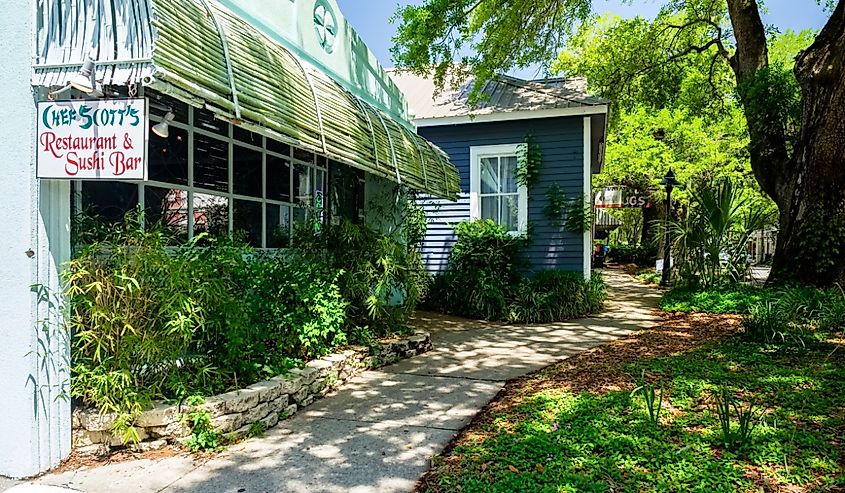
<point>34,240</point>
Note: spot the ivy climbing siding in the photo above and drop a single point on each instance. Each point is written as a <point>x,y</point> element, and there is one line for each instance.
<point>562,146</point>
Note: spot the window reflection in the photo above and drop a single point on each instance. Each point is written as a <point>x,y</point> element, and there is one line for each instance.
<point>168,158</point>
<point>278,226</point>
<point>211,214</point>
<point>246,173</point>
<point>169,209</point>
<point>205,120</point>
<point>302,189</point>
<point>278,179</point>
<point>211,163</point>
<point>247,220</point>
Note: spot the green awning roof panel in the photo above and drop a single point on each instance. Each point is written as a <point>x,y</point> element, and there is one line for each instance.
<point>202,47</point>
<point>201,52</point>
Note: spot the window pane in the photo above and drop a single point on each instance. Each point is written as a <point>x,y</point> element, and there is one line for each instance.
<point>168,158</point>
<point>508,174</point>
<point>322,162</point>
<point>243,135</point>
<point>490,208</point>
<point>161,104</point>
<point>211,163</point>
<point>278,226</point>
<point>299,215</point>
<point>319,187</point>
<point>246,173</point>
<point>346,188</point>
<point>205,120</point>
<point>211,214</point>
<point>510,212</point>
<point>278,178</point>
<point>278,147</point>
<point>302,176</point>
<point>169,208</point>
<point>247,221</point>
<point>489,175</point>
<point>303,155</point>
<point>108,201</point>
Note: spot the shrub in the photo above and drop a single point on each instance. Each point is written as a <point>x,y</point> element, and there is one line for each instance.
<point>381,276</point>
<point>765,323</point>
<point>483,269</point>
<point>641,255</point>
<point>552,295</point>
<point>149,321</point>
<point>483,280</point>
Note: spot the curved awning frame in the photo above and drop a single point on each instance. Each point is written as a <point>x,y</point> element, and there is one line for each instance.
<point>199,52</point>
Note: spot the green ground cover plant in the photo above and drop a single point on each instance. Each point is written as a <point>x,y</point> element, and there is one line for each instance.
<point>153,319</point>
<point>738,417</point>
<point>729,298</point>
<point>484,279</point>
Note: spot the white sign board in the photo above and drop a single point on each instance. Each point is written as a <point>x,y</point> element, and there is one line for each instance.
<point>92,139</point>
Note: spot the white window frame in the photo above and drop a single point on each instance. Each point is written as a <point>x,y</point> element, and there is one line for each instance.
<point>476,153</point>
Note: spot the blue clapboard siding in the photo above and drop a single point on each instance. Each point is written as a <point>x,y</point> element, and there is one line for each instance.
<point>560,140</point>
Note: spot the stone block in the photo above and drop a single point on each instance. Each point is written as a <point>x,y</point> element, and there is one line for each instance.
<point>280,403</point>
<point>235,435</point>
<point>317,387</point>
<point>307,374</point>
<point>288,411</point>
<point>228,422</point>
<point>400,346</point>
<point>160,415</point>
<point>99,450</point>
<point>172,431</point>
<point>237,401</point>
<point>267,390</point>
<point>256,413</point>
<point>149,445</point>
<point>92,421</point>
<point>271,420</point>
<point>307,401</point>
<point>288,383</point>
<point>417,339</point>
<point>300,395</point>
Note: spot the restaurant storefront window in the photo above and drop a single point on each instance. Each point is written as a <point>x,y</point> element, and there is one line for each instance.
<point>208,176</point>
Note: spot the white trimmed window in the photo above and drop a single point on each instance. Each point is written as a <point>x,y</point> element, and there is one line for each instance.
<point>494,191</point>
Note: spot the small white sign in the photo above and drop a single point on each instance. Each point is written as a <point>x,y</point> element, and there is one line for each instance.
<point>92,139</point>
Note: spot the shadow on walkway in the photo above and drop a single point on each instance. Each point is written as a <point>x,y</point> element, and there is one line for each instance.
<point>378,433</point>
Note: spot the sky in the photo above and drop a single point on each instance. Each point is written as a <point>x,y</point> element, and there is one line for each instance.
<point>371,18</point>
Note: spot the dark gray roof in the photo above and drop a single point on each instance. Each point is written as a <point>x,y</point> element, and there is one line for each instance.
<point>503,95</point>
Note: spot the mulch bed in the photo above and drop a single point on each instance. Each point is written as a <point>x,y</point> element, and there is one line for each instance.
<point>600,369</point>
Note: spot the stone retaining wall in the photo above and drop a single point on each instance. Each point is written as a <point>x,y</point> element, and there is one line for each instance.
<point>236,413</point>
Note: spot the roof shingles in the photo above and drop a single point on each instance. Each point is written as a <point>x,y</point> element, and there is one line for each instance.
<point>504,94</point>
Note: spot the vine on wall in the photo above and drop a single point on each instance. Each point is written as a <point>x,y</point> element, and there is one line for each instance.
<point>576,215</point>
<point>529,157</point>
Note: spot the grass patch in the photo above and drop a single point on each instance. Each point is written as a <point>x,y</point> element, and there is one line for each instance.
<point>732,298</point>
<point>577,426</point>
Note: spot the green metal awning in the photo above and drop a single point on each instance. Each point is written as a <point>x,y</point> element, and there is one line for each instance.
<point>202,53</point>
<point>207,51</point>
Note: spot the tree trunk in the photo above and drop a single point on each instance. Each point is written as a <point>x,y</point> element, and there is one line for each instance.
<point>650,214</point>
<point>811,239</point>
<point>809,186</point>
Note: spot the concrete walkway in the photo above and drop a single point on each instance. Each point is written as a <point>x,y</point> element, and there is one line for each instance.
<point>378,433</point>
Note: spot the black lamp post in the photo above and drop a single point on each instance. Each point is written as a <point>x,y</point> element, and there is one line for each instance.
<point>669,182</point>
